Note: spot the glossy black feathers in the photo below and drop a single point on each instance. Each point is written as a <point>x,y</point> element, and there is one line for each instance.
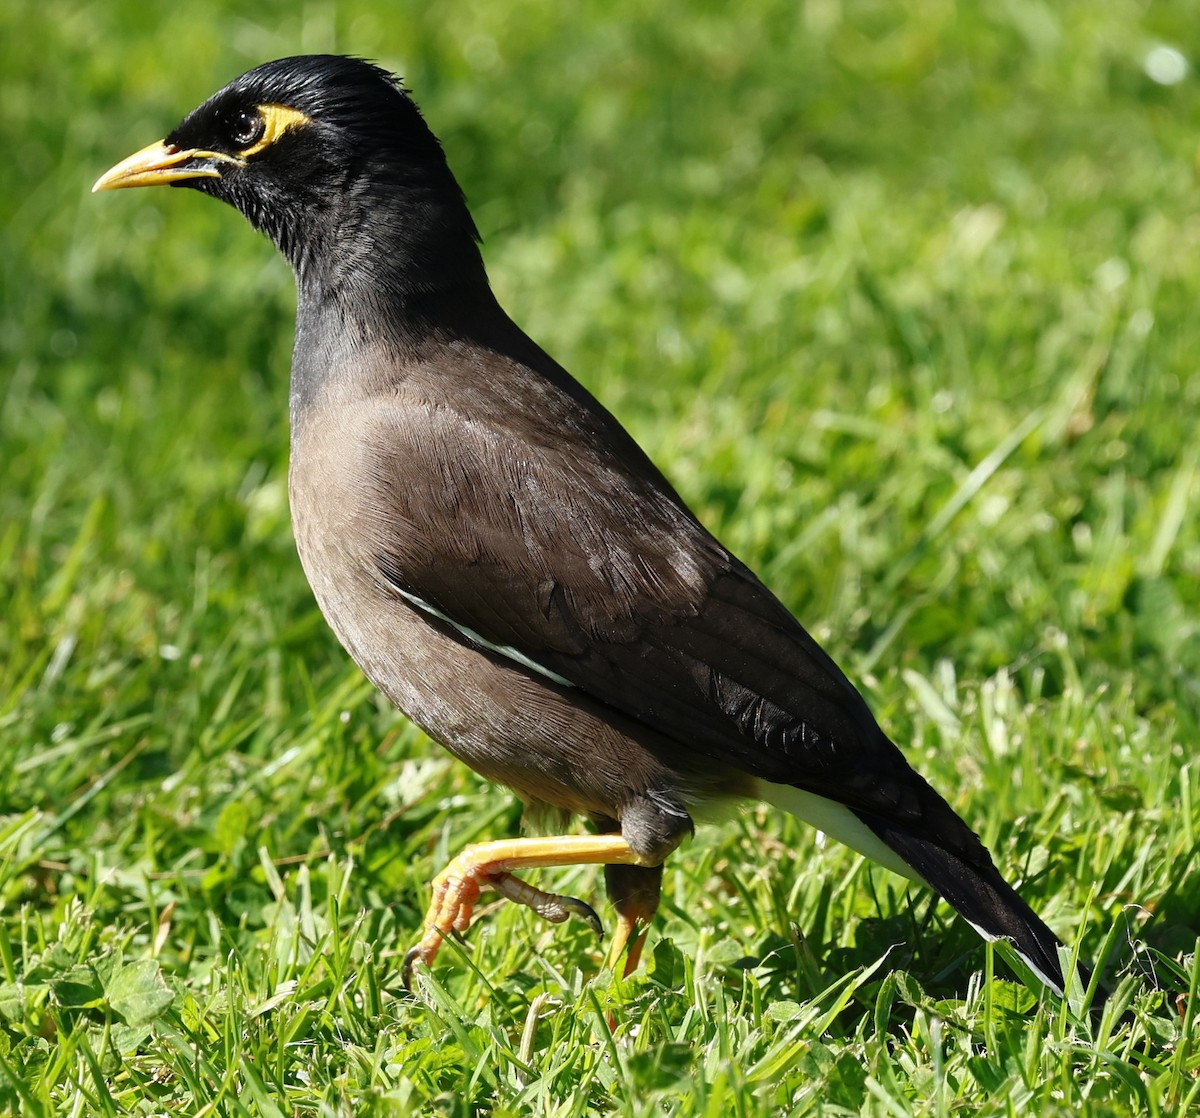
<point>366,180</point>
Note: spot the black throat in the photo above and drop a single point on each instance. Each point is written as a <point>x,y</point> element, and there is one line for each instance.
<point>390,258</point>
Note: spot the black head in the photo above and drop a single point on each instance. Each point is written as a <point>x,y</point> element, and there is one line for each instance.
<point>331,158</point>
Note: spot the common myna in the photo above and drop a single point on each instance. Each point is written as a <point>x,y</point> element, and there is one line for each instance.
<point>506,564</point>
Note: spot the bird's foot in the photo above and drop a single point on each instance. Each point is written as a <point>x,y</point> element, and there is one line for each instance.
<point>487,866</point>
<point>550,906</point>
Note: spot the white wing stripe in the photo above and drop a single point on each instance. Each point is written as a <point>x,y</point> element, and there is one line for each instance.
<point>505,650</point>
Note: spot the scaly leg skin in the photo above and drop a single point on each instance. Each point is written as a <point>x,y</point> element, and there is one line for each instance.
<point>634,891</point>
<point>489,864</point>
<point>549,906</point>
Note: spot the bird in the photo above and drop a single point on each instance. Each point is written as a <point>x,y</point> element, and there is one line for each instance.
<point>507,565</point>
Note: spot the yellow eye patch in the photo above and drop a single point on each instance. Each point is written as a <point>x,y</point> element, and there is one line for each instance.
<point>277,119</point>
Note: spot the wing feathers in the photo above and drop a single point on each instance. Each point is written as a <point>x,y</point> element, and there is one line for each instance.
<point>577,559</point>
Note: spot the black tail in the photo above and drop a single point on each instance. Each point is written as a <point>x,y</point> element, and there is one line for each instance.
<point>975,889</point>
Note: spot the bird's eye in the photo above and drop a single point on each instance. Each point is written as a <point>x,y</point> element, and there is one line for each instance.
<point>246,127</point>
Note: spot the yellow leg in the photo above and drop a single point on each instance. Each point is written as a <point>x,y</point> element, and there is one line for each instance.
<point>489,865</point>
<point>631,931</point>
<point>634,893</point>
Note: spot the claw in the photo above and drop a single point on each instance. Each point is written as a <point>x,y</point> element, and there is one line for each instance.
<point>406,969</point>
<point>549,906</point>
<point>585,911</point>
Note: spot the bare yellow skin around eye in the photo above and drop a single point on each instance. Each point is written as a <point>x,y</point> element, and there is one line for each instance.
<point>277,119</point>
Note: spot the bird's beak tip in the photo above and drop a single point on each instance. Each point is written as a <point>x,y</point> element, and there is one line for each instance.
<point>158,164</point>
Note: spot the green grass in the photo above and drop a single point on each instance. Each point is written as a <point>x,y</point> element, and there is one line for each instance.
<point>905,304</point>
